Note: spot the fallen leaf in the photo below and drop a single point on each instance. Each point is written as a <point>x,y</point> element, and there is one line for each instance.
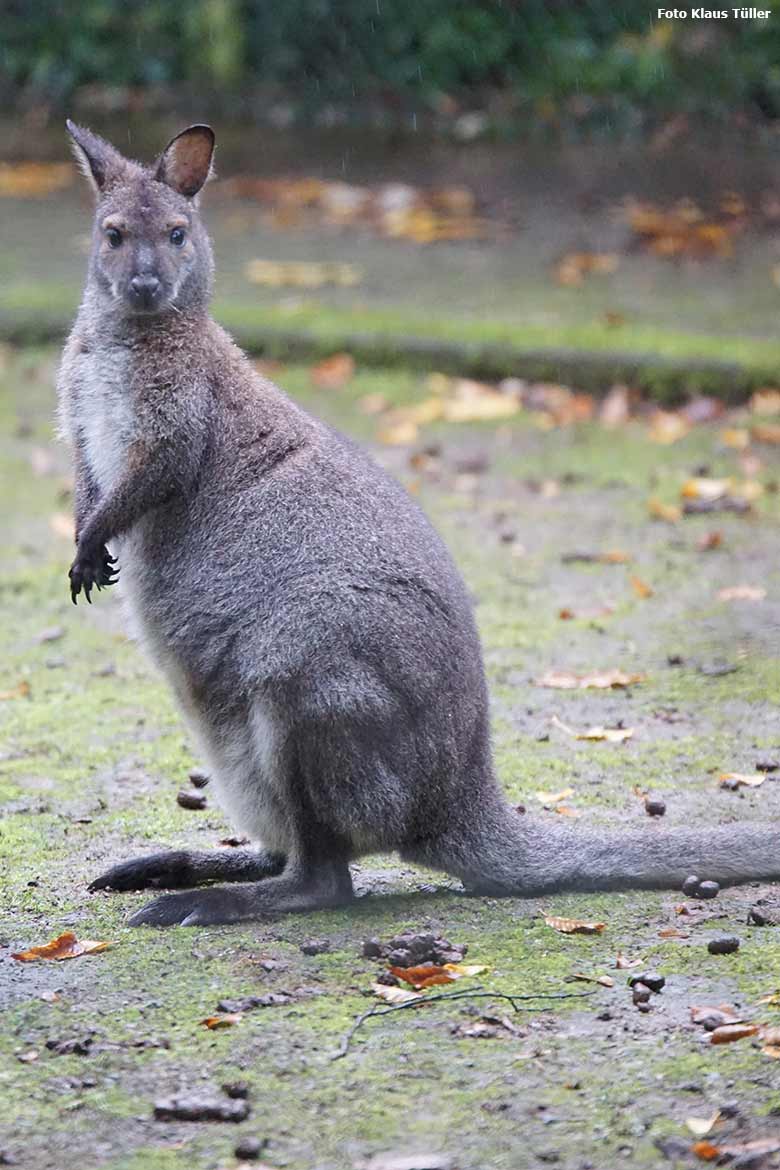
<point>465,970</point>
<point>667,427</point>
<point>599,680</point>
<point>602,980</point>
<point>721,1014</point>
<point>597,611</point>
<point>640,587</point>
<point>425,976</point>
<point>574,925</point>
<point>765,433</point>
<point>765,401</point>
<point>701,1126</point>
<point>704,488</point>
<point>772,1051</point>
<point>20,691</point>
<point>673,932</point>
<point>224,1020</point>
<point>740,780</point>
<point>742,593</point>
<point>550,798</point>
<point>607,734</point>
<point>737,438</point>
<point>710,541</point>
<point>33,179</point>
<point>622,963</point>
<point>657,510</point>
<point>706,1151</point>
<point>615,410</point>
<point>728,1033</point>
<point>398,434</point>
<point>334,372</point>
<point>394,994</point>
<point>65,946</point>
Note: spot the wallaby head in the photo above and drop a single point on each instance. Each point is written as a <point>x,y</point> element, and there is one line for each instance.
<point>150,251</point>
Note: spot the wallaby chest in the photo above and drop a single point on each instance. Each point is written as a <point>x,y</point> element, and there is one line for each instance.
<point>105,412</point>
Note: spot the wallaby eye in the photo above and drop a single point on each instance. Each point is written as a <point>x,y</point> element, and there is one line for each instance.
<point>114,237</point>
<point>177,237</point>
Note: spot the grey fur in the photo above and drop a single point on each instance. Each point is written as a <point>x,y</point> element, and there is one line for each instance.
<point>315,631</point>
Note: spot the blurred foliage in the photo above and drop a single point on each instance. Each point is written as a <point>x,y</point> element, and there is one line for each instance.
<point>553,59</point>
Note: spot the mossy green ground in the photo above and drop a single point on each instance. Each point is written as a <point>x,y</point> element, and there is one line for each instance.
<point>94,753</point>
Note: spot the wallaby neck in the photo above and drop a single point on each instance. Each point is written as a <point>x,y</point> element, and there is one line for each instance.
<point>173,327</point>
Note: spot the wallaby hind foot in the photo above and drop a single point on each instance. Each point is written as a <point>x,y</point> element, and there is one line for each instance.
<point>177,869</point>
<point>294,891</point>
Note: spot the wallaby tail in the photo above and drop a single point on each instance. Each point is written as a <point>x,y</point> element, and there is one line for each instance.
<point>503,853</point>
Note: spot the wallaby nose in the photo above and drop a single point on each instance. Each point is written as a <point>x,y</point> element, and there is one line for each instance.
<point>145,290</point>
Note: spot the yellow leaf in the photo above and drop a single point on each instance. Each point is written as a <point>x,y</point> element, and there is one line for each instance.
<point>667,427</point>
<point>703,488</point>
<point>735,437</point>
<point>660,511</point>
<point>465,970</point>
<point>554,797</point>
<point>398,434</point>
<point>607,734</point>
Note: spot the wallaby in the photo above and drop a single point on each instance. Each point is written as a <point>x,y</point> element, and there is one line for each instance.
<point>318,638</point>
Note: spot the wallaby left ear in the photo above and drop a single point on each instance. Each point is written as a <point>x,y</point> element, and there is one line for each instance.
<point>185,164</point>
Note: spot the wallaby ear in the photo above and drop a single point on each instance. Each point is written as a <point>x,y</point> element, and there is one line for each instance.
<point>185,164</point>
<point>99,160</point>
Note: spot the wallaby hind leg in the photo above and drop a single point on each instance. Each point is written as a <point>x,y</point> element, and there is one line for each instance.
<point>297,889</point>
<point>178,868</point>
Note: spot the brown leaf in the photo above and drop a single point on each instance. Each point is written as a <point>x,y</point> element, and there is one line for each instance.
<point>574,925</point>
<point>334,372</point>
<point>710,541</point>
<point>673,932</point>
<point>640,587</point>
<point>425,976</point>
<point>65,946</point>
<point>596,611</point>
<point>765,433</point>
<point>624,964</point>
<point>728,1033</point>
<point>706,1151</point>
<point>222,1020</point>
<point>20,691</point>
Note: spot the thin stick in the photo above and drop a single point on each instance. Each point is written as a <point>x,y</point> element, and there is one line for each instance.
<point>512,998</point>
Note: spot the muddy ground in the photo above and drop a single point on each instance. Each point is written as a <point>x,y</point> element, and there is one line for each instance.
<point>93,755</point>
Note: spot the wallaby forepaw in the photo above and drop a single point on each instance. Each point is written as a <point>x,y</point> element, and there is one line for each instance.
<point>91,570</point>
<point>192,908</point>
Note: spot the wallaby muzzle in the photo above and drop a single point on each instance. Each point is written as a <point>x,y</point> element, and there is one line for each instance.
<point>145,293</point>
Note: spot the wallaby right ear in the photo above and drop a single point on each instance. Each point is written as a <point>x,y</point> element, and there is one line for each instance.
<point>99,160</point>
